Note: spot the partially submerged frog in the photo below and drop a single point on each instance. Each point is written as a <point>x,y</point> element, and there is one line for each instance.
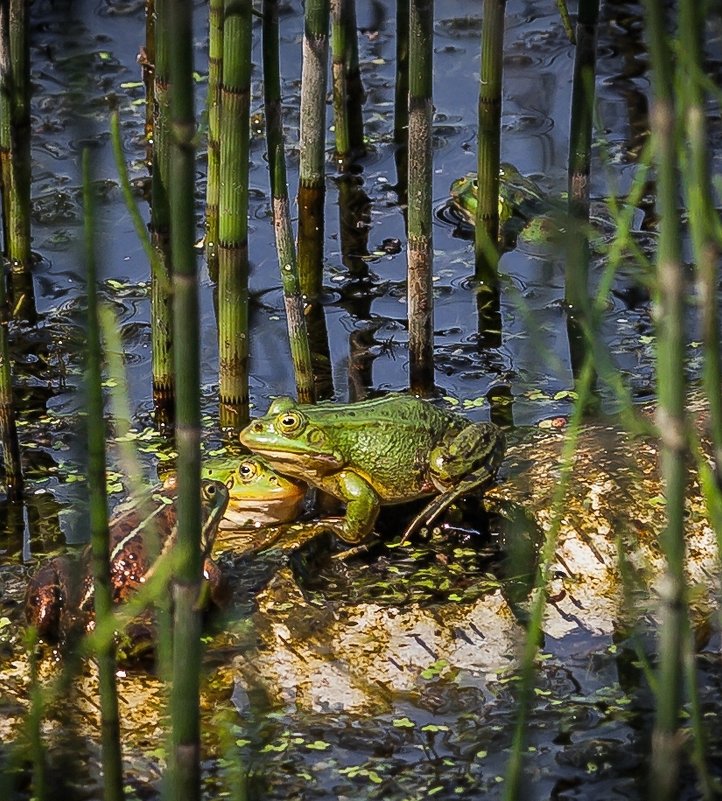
<point>258,495</point>
<point>521,201</point>
<point>60,595</point>
<point>384,451</point>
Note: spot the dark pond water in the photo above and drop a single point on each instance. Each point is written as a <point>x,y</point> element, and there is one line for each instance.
<point>589,729</point>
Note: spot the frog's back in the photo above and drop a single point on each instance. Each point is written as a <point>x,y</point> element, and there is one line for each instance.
<point>388,440</point>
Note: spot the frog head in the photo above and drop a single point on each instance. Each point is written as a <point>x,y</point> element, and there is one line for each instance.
<point>294,439</point>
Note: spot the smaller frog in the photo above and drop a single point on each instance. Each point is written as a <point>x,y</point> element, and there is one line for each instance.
<point>60,595</point>
<point>388,450</point>
<point>258,495</point>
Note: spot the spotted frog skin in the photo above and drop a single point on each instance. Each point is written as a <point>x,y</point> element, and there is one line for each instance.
<point>60,595</point>
<point>384,451</point>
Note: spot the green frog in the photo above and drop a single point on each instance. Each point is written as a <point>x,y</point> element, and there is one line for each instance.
<point>258,495</point>
<point>388,450</point>
<point>521,201</point>
<point>60,595</point>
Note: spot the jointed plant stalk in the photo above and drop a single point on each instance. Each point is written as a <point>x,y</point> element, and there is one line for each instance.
<point>486,230</point>
<point>161,312</point>
<point>514,776</point>
<point>98,506</point>
<point>355,94</point>
<point>232,250</point>
<point>348,93</point>
<point>215,73</point>
<point>15,152</point>
<point>704,222</point>
<point>312,173</point>
<point>401,99</point>
<point>184,694</point>
<point>8,428</point>
<point>580,155</point>
<point>420,252</point>
<point>298,336</point>
<point>674,630</point>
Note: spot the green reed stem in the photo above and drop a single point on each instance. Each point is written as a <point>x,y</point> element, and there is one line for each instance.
<point>420,251</point>
<point>355,94</point>
<point>233,215</point>
<point>401,100</point>
<point>486,230</point>
<point>127,190</point>
<point>673,636</point>
<point>580,156</point>
<point>298,336</point>
<point>215,73</point>
<point>703,219</point>
<point>98,506</point>
<point>702,223</point>
<point>35,720</point>
<point>184,693</point>
<point>147,67</point>
<point>513,778</point>
<point>161,311</point>
<point>348,92</point>
<point>566,20</point>
<point>8,430</point>
<point>15,152</point>
<point>338,81</point>
<point>312,173</point>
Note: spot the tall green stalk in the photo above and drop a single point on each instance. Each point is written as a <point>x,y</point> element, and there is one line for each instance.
<point>355,94</point>
<point>15,152</point>
<point>348,92</point>
<point>147,64</point>
<point>161,312</point>
<point>401,100</point>
<point>233,215</point>
<point>8,428</point>
<point>486,230</point>
<point>420,253</point>
<point>312,173</point>
<point>298,336</point>
<point>580,156</point>
<point>703,219</point>
<point>673,636</point>
<point>185,692</point>
<point>215,73</point>
<point>98,506</point>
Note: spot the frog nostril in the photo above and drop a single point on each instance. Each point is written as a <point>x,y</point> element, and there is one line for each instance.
<point>258,427</point>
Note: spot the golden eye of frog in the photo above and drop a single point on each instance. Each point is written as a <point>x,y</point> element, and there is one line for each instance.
<point>384,451</point>
<point>60,595</point>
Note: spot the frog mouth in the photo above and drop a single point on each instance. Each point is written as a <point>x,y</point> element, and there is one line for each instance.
<point>294,458</point>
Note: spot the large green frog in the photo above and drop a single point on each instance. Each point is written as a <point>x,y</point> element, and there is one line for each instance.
<point>384,451</point>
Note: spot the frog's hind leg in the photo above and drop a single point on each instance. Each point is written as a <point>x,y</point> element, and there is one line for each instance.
<point>442,502</point>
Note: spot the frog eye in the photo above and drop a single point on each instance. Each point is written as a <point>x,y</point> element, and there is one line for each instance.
<point>247,471</point>
<point>209,490</point>
<point>289,422</point>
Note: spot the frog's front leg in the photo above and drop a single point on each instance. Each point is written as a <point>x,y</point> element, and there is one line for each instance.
<point>362,505</point>
<point>472,455</point>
